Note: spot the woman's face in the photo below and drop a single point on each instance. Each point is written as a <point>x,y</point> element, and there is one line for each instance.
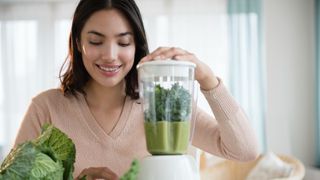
<point>107,46</point>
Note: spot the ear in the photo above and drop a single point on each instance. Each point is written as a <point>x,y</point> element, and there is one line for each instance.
<point>78,45</point>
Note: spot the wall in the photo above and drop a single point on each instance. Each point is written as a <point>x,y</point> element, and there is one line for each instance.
<point>290,51</point>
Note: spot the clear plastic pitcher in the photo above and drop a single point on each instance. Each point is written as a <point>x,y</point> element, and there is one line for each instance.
<point>166,87</point>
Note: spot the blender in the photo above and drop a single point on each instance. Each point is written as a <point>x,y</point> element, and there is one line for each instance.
<point>167,88</point>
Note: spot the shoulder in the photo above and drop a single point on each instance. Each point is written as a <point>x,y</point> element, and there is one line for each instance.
<point>49,94</point>
<point>136,102</point>
<point>53,96</point>
<point>135,105</point>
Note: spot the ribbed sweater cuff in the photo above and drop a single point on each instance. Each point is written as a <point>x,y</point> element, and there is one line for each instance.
<point>221,102</point>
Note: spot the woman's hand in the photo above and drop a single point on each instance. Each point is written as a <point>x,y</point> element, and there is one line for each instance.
<point>203,73</point>
<point>98,173</point>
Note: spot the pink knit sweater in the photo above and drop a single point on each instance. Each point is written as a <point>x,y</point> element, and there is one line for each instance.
<point>228,135</point>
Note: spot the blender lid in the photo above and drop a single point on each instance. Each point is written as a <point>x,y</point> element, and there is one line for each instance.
<point>168,62</point>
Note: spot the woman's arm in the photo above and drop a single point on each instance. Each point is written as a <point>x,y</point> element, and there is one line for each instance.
<point>229,134</point>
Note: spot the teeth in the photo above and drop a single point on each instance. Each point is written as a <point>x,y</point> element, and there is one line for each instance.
<point>113,69</point>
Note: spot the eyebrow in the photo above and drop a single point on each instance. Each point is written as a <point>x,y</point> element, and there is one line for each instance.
<point>96,33</point>
<point>118,35</point>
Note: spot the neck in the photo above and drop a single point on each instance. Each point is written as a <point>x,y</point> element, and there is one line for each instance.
<point>99,96</point>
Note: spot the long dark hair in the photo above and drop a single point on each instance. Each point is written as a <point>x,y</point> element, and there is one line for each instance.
<point>76,76</point>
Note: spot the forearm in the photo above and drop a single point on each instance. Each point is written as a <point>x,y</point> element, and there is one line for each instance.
<point>207,80</point>
<point>230,134</point>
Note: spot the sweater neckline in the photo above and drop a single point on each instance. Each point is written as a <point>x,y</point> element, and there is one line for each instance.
<point>95,127</point>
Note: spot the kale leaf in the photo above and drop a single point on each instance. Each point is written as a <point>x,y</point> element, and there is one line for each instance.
<point>168,104</point>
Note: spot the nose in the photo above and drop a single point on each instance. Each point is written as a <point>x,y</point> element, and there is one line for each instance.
<point>109,53</point>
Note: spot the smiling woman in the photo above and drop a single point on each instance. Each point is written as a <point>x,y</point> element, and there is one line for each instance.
<point>101,47</point>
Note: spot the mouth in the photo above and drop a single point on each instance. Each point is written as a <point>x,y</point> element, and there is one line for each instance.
<point>109,69</point>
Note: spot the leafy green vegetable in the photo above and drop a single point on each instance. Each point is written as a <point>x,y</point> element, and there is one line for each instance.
<point>168,104</point>
<point>58,146</point>
<point>50,156</point>
<point>45,167</point>
<point>132,173</point>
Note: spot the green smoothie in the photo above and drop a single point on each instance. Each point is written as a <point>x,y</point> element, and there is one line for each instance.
<point>167,137</point>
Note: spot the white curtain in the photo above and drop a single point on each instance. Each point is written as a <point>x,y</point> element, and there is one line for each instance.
<point>34,45</point>
<point>247,67</point>
<point>317,17</point>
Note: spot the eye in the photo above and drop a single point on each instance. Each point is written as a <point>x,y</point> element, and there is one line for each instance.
<point>95,43</point>
<point>124,44</point>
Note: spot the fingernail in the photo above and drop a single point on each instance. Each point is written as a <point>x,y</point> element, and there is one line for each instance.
<point>157,58</point>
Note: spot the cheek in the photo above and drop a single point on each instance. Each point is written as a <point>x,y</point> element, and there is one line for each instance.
<point>128,56</point>
<point>89,53</point>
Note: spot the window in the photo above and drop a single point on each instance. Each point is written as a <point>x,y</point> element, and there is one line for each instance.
<point>2,133</point>
<point>19,70</point>
<point>34,39</point>
<point>61,34</point>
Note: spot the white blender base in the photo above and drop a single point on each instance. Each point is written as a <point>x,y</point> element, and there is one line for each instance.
<point>168,167</point>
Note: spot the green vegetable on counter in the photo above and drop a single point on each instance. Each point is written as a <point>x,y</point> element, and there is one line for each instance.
<point>49,157</point>
<point>132,173</point>
<point>84,177</point>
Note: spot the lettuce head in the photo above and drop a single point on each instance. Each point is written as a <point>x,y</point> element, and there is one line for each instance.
<point>49,157</point>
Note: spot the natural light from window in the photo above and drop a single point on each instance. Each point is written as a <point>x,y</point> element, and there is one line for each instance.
<point>61,34</point>
<point>2,135</point>
<point>19,40</point>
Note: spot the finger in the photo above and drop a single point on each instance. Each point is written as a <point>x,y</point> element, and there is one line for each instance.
<point>172,52</point>
<point>98,172</point>
<point>155,55</point>
<point>164,53</point>
<point>80,177</point>
<point>159,51</point>
<point>106,173</point>
<point>144,59</point>
<point>186,57</point>
<point>82,174</point>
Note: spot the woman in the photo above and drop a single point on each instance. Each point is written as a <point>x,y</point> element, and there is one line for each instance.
<point>98,106</point>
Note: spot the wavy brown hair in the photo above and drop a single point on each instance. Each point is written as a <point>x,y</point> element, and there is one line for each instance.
<point>75,76</point>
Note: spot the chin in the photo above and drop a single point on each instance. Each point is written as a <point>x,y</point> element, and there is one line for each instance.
<point>110,84</point>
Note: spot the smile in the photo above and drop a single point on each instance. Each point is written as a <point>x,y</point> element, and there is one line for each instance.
<point>109,69</point>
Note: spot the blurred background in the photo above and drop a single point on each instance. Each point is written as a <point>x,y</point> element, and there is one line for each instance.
<point>266,52</point>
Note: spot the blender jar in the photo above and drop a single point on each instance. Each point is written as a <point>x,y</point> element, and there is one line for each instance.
<point>166,87</point>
